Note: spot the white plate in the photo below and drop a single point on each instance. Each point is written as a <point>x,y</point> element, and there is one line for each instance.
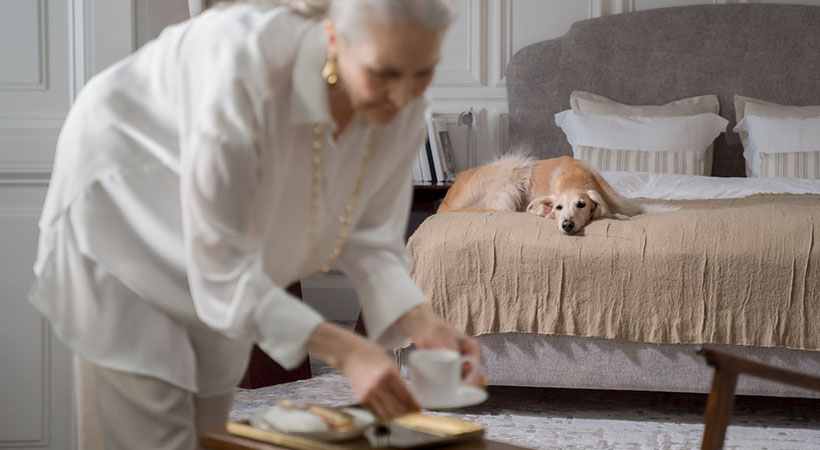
<point>465,396</point>
<point>283,421</point>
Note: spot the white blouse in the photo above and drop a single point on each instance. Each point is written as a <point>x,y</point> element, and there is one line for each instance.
<point>179,205</point>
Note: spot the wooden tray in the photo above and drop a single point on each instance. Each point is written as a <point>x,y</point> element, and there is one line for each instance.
<point>411,431</point>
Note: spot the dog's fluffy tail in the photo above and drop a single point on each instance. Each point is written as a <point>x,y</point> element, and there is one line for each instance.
<point>500,185</point>
<point>658,208</point>
<point>630,207</point>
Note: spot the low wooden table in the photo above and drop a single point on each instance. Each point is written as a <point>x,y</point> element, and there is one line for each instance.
<point>224,441</point>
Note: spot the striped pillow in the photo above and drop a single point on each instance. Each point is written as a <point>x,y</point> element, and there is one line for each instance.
<point>791,165</point>
<point>674,162</point>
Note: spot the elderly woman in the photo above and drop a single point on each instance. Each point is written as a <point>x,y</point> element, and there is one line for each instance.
<point>237,153</point>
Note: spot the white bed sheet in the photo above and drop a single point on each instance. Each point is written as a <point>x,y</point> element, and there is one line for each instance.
<point>694,187</point>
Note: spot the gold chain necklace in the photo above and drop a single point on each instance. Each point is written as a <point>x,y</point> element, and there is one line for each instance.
<point>346,218</point>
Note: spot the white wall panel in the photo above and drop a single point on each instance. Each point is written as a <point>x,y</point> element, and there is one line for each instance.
<point>23,22</point>
<point>48,49</point>
<point>28,149</point>
<point>109,27</point>
<point>463,53</point>
<point>154,15</point>
<point>23,393</point>
<point>34,64</point>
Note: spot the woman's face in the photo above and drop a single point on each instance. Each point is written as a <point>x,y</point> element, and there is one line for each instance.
<point>386,68</point>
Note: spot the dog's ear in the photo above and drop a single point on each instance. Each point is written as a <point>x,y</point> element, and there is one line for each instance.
<point>541,206</point>
<point>601,208</point>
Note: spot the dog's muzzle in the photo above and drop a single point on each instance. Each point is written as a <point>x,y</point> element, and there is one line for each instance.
<point>568,226</point>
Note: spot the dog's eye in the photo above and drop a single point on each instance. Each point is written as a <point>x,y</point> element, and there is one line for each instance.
<point>581,204</point>
<point>559,207</point>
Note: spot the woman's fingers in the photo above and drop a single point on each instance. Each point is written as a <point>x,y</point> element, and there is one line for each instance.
<point>390,397</point>
<point>395,397</point>
<point>471,347</point>
<point>400,392</point>
<point>374,403</point>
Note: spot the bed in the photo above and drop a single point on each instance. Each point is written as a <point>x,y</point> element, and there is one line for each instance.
<point>625,304</point>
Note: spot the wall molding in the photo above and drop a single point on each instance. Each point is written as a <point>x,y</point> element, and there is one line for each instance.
<point>101,37</point>
<point>42,82</point>
<point>38,123</point>
<point>502,132</point>
<point>45,357</point>
<point>475,73</point>
<point>503,47</point>
<point>76,47</point>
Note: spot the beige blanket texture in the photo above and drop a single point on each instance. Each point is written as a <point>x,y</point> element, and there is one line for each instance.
<point>736,271</point>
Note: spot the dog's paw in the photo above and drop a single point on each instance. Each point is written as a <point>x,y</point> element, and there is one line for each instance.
<point>541,210</point>
<point>541,206</point>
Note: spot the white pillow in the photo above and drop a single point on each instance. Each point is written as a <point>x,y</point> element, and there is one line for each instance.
<point>589,103</point>
<point>682,134</point>
<point>776,135</point>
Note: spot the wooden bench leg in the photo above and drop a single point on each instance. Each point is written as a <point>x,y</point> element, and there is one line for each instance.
<point>719,409</point>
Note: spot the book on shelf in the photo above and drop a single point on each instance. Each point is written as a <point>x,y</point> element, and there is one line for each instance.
<point>429,147</point>
<point>423,164</point>
<point>444,147</point>
<point>435,152</point>
<point>417,178</point>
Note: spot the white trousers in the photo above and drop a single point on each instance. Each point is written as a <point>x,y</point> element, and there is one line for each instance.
<point>119,410</point>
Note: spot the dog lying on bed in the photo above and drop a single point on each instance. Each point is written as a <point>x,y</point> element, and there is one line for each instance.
<point>564,189</point>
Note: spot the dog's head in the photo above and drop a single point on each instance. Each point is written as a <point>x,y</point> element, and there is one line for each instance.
<point>571,209</point>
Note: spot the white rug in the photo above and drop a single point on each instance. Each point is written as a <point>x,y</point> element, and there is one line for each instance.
<point>580,419</point>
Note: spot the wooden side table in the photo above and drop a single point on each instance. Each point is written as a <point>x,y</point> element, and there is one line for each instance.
<point>426,197</point>
<point>722,396</point>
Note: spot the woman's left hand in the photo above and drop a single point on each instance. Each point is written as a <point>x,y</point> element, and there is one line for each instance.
<point>429,331</point>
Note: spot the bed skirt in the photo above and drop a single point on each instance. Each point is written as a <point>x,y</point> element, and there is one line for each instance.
<point>535,360</point>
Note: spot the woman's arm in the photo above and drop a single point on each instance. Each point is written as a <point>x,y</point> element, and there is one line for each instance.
<point>374,376</point>
<point>393,306</point>
<point>218,104</point>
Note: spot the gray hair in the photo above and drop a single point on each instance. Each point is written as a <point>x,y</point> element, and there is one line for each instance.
<point>350,17</point>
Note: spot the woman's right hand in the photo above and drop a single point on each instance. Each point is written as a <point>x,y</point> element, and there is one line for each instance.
<point>376,382</point>
<point>374,377</point>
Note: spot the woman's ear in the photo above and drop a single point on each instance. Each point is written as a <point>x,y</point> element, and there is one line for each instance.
<point>601,208</point>
<point>541,206</point>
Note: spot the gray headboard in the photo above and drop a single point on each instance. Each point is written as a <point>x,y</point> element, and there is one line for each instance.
<point>766,51</point>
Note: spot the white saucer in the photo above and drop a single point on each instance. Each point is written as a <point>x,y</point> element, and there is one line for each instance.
<point>465,396</point>
<point>302,423</point>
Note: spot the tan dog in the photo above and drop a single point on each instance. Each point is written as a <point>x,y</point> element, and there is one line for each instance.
<point>563,189</point>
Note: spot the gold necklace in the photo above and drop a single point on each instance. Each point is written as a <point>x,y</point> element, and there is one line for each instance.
<point>346,218</point>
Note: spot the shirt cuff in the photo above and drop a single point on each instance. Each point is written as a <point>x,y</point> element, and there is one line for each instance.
<point>385,295</point>
<point>284,325</point>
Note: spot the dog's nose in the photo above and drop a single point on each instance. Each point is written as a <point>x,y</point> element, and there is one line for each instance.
<point>567,225</point>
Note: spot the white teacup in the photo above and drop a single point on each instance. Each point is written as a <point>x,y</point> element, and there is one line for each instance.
<point>436,374</point>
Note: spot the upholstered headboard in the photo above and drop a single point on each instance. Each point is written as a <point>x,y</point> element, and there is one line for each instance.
<point>766,51</point>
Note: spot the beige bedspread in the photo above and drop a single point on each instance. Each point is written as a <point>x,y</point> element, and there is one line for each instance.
<point>740,271</point>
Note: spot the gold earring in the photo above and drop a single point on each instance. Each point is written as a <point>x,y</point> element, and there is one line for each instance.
<point>331,71</point>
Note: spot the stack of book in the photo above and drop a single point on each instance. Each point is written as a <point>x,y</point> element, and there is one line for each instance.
<point>436,161</point>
